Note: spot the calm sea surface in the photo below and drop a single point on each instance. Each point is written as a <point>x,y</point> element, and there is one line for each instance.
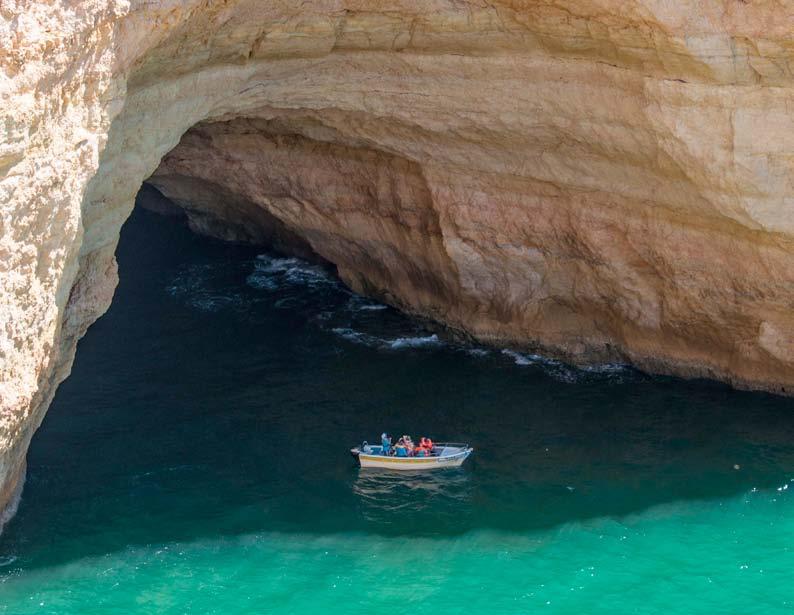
<point>196,461</point>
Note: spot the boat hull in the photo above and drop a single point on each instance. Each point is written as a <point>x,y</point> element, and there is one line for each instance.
<point>412,463</point>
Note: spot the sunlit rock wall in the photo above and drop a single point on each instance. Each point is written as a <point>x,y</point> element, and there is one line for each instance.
<point>596,178</point>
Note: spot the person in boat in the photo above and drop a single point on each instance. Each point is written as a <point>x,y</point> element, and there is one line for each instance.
<point>420,451</point>
<point>401,449</point>
<point>385,442</point>
<point>409,445</point>
<point>426,444</point>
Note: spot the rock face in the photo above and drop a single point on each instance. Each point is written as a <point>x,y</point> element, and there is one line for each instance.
<point>595,178</point>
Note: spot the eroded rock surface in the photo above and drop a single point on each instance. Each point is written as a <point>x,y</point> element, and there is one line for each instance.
<point>596,178</point>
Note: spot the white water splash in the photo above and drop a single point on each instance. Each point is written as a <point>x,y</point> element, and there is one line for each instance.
<point>357,337</point>
<point>399,343</point>
<point>271,272</point>
<point>414,342</point>
<point>522,359</point>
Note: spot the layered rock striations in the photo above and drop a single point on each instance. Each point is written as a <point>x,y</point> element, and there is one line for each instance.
<point>597,179</point>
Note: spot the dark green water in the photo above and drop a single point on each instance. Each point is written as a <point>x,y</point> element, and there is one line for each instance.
<point>196,462</point>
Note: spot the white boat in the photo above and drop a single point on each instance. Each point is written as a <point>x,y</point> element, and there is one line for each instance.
<point>443,455</point>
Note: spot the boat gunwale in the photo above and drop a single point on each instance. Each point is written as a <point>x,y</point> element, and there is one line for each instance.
<point>416,460</point>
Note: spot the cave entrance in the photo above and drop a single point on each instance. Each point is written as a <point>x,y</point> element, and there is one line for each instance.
<point>220,374</point>
<point>304,189</point>
<point>216,400</point>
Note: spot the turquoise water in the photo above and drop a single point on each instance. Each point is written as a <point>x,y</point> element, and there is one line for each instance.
<point>196,462</point>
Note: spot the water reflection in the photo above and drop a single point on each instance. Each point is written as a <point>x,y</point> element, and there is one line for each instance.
<point>386,495</point>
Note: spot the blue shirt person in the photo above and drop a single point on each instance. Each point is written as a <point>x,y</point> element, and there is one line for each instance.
<point>385,442</point>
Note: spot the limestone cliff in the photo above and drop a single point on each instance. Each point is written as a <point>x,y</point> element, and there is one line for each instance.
<point>592,177</point>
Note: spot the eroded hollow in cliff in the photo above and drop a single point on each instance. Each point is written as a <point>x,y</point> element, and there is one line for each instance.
<point>299,187</point>
<point>584,276</point>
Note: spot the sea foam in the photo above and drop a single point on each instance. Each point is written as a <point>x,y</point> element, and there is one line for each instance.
<point>414,342</point>
<point>400,343</point>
